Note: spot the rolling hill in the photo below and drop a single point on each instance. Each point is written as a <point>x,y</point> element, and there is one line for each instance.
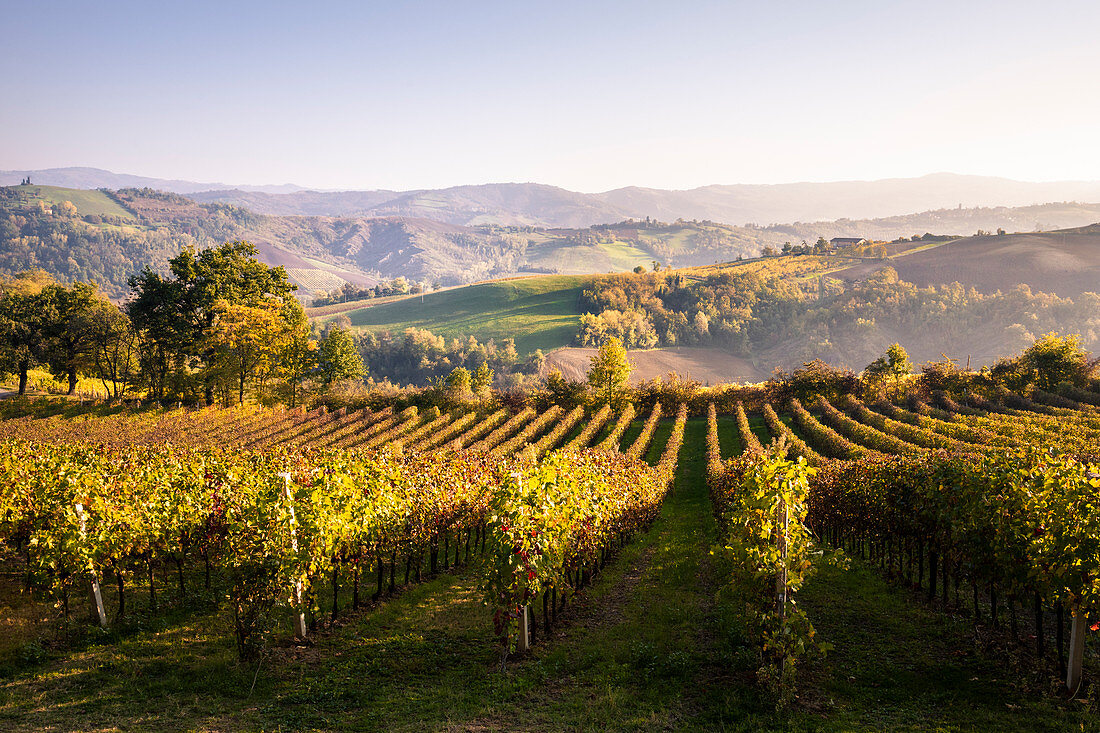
<point>112,234</point>
<point>849,322</point>
<point>106,236</point>
<point>538,312</point>
<point>520,204</point>
<point>1064,262</point>
<point>533,204</point>
<point>87,203</point>
<point>91,178</point>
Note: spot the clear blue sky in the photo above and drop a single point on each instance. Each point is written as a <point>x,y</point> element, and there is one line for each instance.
<point>586,95</point>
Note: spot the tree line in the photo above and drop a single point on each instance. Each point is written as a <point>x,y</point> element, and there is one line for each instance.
<point>787,320</point>
<point>218,324</point>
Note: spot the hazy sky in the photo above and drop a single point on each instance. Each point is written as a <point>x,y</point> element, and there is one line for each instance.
<point>587,95</point>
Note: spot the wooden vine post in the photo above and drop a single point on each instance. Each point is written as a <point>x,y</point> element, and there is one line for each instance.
<point>97,595</point>
<point>524,642</point>
<point>300,629</point>
<point>1076,650</point>
<point>782,524</point>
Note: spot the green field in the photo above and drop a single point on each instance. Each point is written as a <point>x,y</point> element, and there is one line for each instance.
<point>674,241</point>
<point>86,202</point>
<point>594,258</point>
<point>538,312</point>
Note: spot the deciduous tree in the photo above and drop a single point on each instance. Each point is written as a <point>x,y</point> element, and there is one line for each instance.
<point>609,371</point>
<point>338,358</point>
<point>24,318</point>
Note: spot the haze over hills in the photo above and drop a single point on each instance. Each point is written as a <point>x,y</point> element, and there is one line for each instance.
<point>519,204</point>
<point>534,204</point>
<point>106,236</point>
<point>83,177</point>
<point>846,311</point>
<point>112,234</point>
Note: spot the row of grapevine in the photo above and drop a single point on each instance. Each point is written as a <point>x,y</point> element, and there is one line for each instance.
<point>340,420</point>
<point>911,433</point>
<point>581,439</point>
<point>1057,400</point>
<point>760,501</point>
<point>861,434</point>
<point>487,425</point>
<point>556,522</point>
<point>638,448</point>
<point>1018,403</point>
<point>749,442</point>
<point>510,426</point>
<point>287,423</point>
<point>821,437</point>
<point>427,427</point>
<point>355,423</point>
<point>948,428</point>
<point>247,426</point>
<point>523,437</point>
<point>373,425</point>
<point>453,428</point>
<point>796,446</point>
<point>280,432</point>
<point>1035,429</point>
<point>1082,396</point>
<point>611,441</point>
<point>714,446</point>
<point>404,423</point>
<point>325,421</point>
<point>670,455</point>
<point>1012,526</point>
<point>944,402</point>
<point>548,441</point>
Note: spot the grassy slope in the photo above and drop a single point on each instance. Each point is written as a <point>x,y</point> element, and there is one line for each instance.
<point>86,202</point>
<point>323,311</point>
<point>647,647</point>
<point>539,313</point>
<point>604,257</point>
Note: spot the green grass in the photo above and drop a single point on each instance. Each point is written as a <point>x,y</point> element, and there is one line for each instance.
<point>901,665</point>
<point>86,202</point>
<point>728,441</point>
<point>538,312</point>
<point>651,645</point>
<point>604,257</point>
<point>672,241</point>
<point>758,426</point>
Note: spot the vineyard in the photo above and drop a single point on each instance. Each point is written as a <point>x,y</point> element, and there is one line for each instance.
<point>285,529</point>
<point>306,504</point>
<point>992,511</point>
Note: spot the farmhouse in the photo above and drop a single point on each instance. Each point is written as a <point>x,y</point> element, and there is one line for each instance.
<point>837,242</point>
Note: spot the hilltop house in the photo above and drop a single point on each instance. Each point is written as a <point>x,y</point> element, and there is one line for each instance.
<point>838,242</point>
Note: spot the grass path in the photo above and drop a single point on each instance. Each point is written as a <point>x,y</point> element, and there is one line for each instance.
<point>626,658</point>
<point>650,645</point>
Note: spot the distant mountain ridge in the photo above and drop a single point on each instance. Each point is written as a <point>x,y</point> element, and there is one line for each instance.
<point>534,204</point>
<point>541,205</point>
<point>83,177</point>
<point>106,236</point>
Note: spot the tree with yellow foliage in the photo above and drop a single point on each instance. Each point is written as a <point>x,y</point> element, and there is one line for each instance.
<point>255,342</point>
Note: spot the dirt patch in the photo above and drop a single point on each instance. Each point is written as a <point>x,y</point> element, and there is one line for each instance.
<point>709,366</point>
<point>278,257</point>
